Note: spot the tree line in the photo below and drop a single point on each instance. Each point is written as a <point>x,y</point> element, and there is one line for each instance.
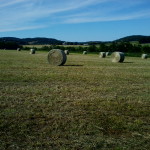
<point>9,45</point>
<point>125,47</point>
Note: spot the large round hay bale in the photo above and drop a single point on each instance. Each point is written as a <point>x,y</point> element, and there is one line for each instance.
<point>18,49</point>
<point>32,51</point>
<point>102,54</point>
<point>66,52</point>
<point>57,57</point>
<point>84,52</point>
<point>144,56</point>
<point>118,57</point>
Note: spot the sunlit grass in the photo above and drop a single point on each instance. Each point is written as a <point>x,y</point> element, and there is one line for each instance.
<point>89,103</point>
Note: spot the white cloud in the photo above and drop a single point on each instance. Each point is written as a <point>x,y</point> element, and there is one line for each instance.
<point>27,14</point>
<point>21,28</point>
<point>4,3</point>
<point>102,19</point>
<point>116,11</point>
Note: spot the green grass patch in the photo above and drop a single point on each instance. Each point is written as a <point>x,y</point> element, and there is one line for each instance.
<point>89,103</point>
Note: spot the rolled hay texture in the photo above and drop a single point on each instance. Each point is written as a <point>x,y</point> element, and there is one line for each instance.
<point>144,56</point>
<point>32,51</point>
<point>118,57</point>
<point>84,52</point>
<point>57,57</point>
<point>66,52</point>
<point>18,49</point>
<point>102,54</point>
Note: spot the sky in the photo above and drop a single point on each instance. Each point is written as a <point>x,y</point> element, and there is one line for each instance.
<point>74,20</point>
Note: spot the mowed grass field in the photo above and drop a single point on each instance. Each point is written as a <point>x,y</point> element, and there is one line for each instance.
<point>89,103</point>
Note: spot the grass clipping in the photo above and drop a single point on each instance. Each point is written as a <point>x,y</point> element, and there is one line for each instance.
<point>118,57</point>
<point>57,57</point>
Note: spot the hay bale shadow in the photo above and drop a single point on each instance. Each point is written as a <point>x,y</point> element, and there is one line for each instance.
<point>74,65</point>
<point>128,62</point>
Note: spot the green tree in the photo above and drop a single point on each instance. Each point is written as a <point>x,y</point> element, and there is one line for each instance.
<point>92,48</point>
<point>103,47</point>
<point>146,49</point>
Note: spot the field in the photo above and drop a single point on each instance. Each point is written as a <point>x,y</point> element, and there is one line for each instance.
<point>37,46</point>
<point>89,103</point>
<point>40,46</point>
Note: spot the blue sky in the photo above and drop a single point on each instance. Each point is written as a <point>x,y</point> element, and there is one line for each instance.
<point>74,20</point>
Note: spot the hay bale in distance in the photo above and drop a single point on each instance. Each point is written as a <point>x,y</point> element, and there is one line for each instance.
<point>107,53</point>
<point>118,57</point>
<point>84,52</point>
<point>144,56</point>
<point>102,54</point>
<point>32,51</point>
<point>66,52</point>
<point>18,49</point>
<point>57,57</point>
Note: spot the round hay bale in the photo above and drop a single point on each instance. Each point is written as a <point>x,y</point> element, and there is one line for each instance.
<point>102,54</point>
<point>84,52</point>
<point>107,53</point>
<point>118,57</point>
<point>32,51</point>
<point>144,56</point>
<point>57,57</point>
<point>66,52</point>
<point>18,49</point>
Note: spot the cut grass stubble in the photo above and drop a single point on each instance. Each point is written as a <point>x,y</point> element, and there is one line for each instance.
<point>89,103</point>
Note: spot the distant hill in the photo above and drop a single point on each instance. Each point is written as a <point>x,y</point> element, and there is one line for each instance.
<point>31,41</point>
<point>139,38</point>
<point>44,41</point>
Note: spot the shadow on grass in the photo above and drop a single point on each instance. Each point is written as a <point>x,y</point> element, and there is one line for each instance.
<point>128,62</point>
<point>74,65</point>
